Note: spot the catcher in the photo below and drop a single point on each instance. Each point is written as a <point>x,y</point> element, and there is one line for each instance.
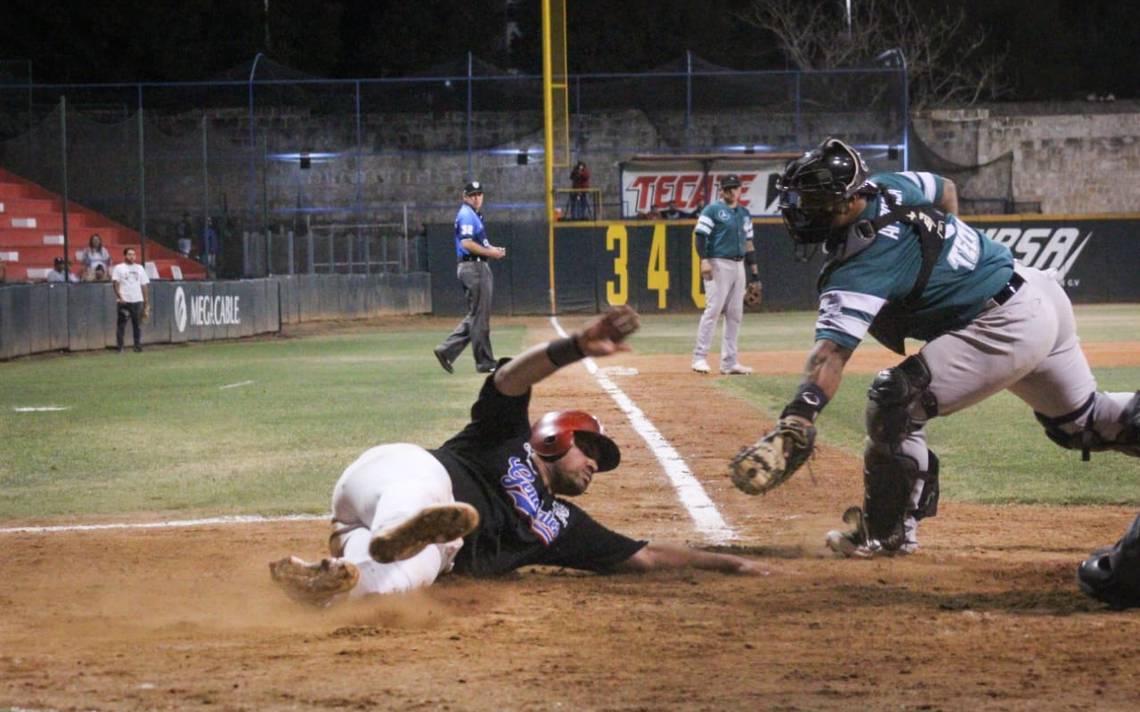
<point>901,265</point>
<point>488,500</point>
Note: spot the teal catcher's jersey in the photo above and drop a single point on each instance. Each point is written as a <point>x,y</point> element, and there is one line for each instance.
<point>970,269</point>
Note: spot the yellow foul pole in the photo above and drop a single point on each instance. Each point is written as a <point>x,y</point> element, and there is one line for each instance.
<point>548,140</point>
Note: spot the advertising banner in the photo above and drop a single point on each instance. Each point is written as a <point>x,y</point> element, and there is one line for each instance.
<point>649,186</point>
<point>653,266</point>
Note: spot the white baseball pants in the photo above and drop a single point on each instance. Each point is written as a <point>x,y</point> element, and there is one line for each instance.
<point>385,486</point>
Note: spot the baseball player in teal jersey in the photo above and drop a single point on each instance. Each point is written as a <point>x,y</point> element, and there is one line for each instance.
<point>724,243</point>
<point>901,265</point>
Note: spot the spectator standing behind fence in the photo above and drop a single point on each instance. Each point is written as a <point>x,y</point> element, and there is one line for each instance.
<point>92,256</point>
<point>60,273</point>
<point>210,246</point>
<point>100,274</point>
<point>131,292</point>
<point>579,200</point>
<point>472,249</point>
<point>724,241</point>
<point>184,233</point>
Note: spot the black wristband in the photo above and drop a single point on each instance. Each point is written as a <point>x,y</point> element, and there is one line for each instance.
<point>563,352</point>
<point>809,401</point>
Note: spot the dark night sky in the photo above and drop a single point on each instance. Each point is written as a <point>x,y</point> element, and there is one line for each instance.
<point>1058,49</point>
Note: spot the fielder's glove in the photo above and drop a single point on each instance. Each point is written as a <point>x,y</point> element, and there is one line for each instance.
<point>774,458</point>
<point>753,295</point>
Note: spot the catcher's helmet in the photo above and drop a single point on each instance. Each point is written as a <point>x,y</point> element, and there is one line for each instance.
<point>553,434</point>
<point>813,185</point>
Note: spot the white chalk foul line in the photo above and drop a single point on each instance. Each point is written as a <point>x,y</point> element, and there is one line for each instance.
<point>704,513</point>
<point>210,521</point>
<point>239,384</point>
<point>40,408</point>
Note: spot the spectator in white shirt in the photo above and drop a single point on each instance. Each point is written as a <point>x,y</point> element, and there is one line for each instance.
<point>131,292</point>
<point>93,255</point>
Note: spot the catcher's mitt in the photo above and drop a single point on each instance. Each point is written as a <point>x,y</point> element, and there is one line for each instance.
<point>753,295</point>
<point>771,460</point>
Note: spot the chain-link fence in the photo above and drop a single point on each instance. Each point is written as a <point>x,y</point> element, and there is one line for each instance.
<point>276,153</point>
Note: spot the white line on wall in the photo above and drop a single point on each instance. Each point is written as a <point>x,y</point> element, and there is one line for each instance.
<point>235,385</point>
<point>170,524</point>
<point>704,513</point>
<point>40,408</point>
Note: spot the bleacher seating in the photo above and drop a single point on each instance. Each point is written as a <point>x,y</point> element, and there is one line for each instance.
<point>31,235</point>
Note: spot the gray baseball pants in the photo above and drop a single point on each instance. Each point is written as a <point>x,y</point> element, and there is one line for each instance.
<point>1028,346</point>
<point>476,326</point>
<point>724,294</point>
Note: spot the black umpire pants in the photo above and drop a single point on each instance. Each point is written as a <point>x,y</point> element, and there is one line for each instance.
<point>132,311</point>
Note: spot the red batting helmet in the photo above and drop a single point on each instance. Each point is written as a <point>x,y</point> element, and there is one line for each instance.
<point>553,434</point>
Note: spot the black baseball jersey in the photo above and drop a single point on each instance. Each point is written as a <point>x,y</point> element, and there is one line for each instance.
<point>520,522</point>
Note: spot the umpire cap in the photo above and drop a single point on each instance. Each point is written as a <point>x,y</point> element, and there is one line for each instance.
<point>553,434</point>
<point>473,188</point>
<point>730,181</point>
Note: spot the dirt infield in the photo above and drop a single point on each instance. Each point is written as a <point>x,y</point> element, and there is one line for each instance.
<point>986,616</point>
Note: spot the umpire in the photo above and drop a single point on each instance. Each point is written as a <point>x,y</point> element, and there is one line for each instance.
<point>472,249</point>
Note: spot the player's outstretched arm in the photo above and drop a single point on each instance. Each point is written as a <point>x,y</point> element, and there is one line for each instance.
<point>656,557</point>
<point>603,336</point>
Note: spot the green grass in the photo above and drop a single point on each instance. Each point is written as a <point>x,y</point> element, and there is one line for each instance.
<point>994,452</point>
<point>156,432</point>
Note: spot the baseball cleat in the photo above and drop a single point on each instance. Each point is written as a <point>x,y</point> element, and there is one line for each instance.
<point>735,370</point>
<point>437,524</point>
<point>443,362</point>
<point>701,366</point>
<point>851,546</point>
<point>842,543</point>
<point>314,584</point>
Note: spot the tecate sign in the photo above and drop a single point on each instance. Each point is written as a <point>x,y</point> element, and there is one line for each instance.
<point>219,310</point>
<point>651,190</point>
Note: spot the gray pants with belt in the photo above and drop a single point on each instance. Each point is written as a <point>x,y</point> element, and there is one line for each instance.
<point>476,326</point>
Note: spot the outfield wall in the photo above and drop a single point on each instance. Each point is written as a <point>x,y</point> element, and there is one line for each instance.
<point>77,317</point>
<point>652,265</point>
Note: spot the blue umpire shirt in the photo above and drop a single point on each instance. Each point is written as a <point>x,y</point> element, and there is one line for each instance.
<point>468,226</point>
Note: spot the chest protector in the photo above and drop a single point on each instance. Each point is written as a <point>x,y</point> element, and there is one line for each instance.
<point>929,223</point>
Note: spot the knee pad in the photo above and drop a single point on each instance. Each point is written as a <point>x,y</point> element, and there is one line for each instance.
<point>1087,439</point>
<point>892,395</point>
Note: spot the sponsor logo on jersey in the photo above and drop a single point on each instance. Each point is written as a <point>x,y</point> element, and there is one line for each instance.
<point>1044,248</point>
<point>518,482</point>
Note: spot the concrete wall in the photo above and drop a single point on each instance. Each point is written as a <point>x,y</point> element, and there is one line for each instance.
<point>1073,158</point>
<point>1068,158</point>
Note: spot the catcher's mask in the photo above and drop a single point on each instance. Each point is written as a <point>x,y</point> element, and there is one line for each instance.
<point>554,433</point>
<point>814,186</point>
